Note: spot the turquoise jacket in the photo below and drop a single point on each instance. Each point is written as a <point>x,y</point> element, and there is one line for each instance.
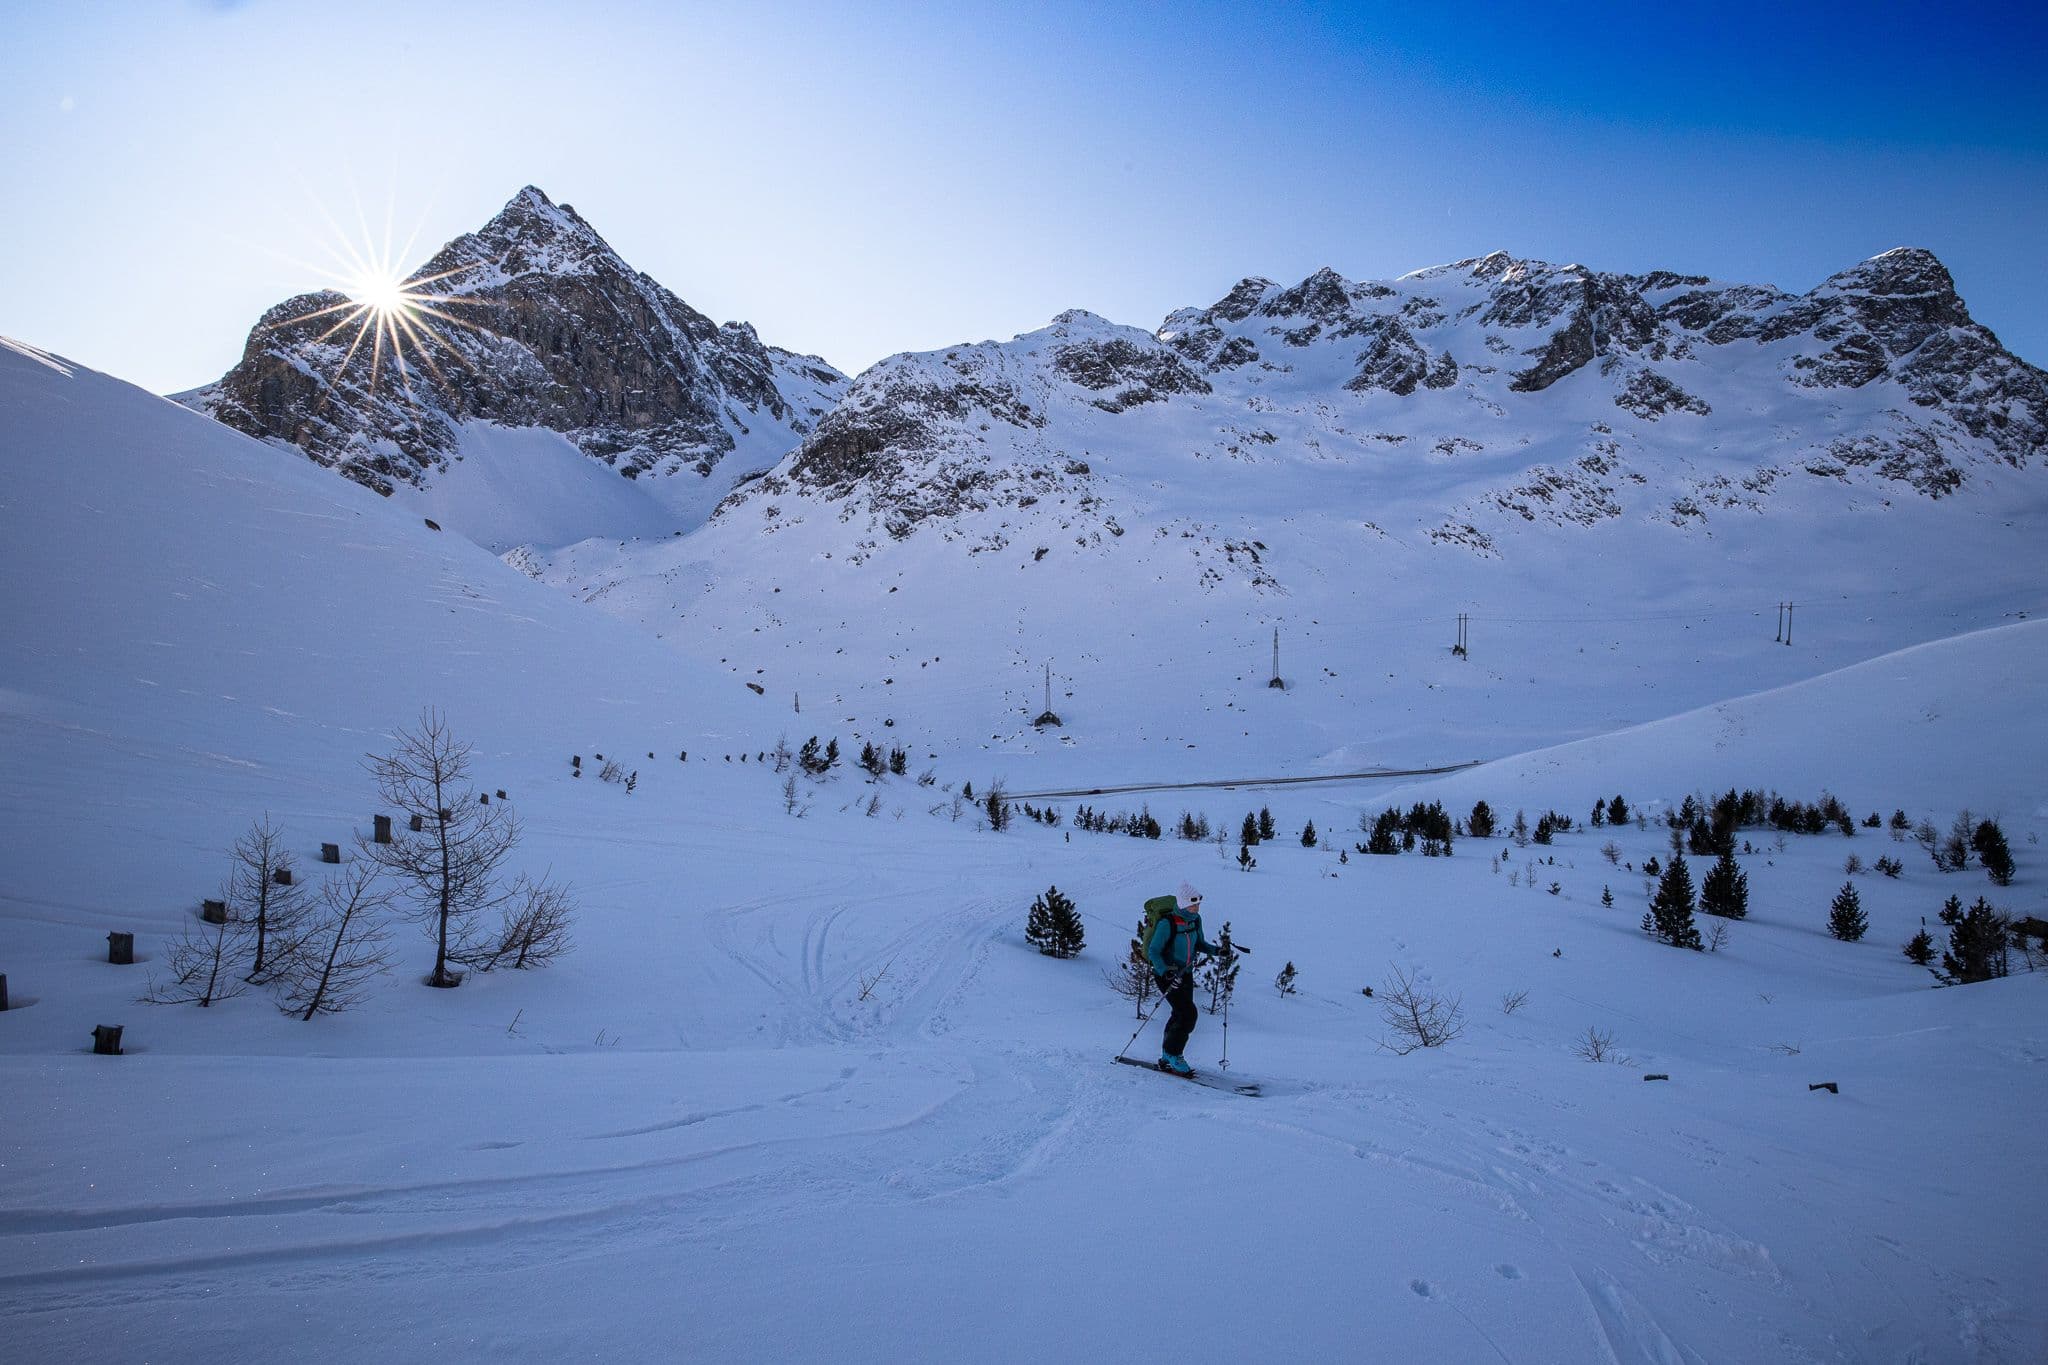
<point>1175,941</point>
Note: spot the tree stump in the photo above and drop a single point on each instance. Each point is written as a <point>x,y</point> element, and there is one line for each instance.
<point>1656,1076</point>
<point>1828,1086</point>
<point>214,912</point>
<point>381,832</point>
<point>330,853</point>
<point>282,876</point>
<point>419,822</point>
<point>503,797</point>
<point>106,1040</point>
<point>483,798</point>
<point>121,949</point>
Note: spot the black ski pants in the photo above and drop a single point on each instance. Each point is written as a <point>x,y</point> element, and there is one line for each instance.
<point>1181,1023</point>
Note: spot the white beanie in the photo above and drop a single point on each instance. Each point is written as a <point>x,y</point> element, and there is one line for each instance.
<point>1188,894</point>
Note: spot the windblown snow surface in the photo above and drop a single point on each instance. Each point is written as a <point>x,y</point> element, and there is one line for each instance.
<point>803,1092</point>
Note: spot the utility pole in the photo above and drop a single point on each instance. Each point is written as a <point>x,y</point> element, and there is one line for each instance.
<point>1788,623</point>
<point>1462,649</point>
<point>1276,660</point>
<point>1048,685</point>
<point>796,701</point>
<point>1779,638</point>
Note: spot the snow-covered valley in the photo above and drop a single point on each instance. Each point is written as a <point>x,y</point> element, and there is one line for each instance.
<point>803,1091</point>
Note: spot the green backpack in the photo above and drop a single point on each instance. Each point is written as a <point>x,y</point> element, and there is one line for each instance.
<point>1156,909</point>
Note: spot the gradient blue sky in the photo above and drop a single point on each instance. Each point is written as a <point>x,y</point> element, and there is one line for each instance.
<point>862,179</point>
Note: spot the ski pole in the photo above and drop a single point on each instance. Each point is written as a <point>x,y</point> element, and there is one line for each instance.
<point>1147,1017</point>
<point>1224,1063</point>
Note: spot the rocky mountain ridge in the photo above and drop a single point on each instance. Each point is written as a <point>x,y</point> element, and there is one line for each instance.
<point>535,322</point>
<point>1572,395</point>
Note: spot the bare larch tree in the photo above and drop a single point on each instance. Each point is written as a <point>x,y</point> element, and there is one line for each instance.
<point>449,870</point>
<point>273,910</point>
<point>342,947</point>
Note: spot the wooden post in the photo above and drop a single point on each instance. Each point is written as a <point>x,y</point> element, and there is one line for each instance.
<point>121,949</point>
<point>3,992</point>
<point>215,912</point>
<point>503,797</point>
<point>483,798</point>
<point>1656,1076</point>
<point>381,831</point>
<point>1828,1086</point>
<point>282,876</point>
<point>330,853</point>
<point>419,822</point>
<point>106,1040</point>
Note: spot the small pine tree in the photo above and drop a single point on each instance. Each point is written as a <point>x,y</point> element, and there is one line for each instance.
<point>1218,973</point>
<point>1284,983</point>
<point>1521,830</point>
<point>1308,835</point>
<point>1054,927</point>
<point>1669,918</point>
<point>1479,824</point>
<point>1977,943</point>
<point>808,759</point>
<point>899,762</point>
<point>1245,861</point>
<point>1607,897</point>
<point>1267,829</point>
<point>1617,812</point>
<point>1600,812</point>
<point>832,752</point>
<point>1248,834</point>
<point>1920,948</point>
<point>1987,841</point>
<point>1724,891</point>
<point>1846,920</point>
<point>998,810</point>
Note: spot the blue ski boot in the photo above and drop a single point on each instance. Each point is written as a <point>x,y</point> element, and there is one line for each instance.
<point>1175,1063</point>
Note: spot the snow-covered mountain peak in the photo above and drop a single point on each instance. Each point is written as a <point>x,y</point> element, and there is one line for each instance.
<point>552,331</point>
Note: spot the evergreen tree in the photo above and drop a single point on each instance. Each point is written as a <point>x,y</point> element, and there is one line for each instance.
<point>1218,973</point>
<point>1308,835</point>
<point>899,762</point>
<point>1249,834</point>
<point>1284,983</point>
<point>1977,942</point>
<point>1600,812</point>
<point>998,810</point>
<point>1920,948</point>
<point>808,758</point>
<point>1724,891</point>
<point>1988,842</point>
<point>1545,827</point>
<point>1245,861</point>
<point>1054,927</point>
<point>1669,918</point>
<point>1386,837</point>
<point>1521,830</point>
<point>1267,829</point>
<point>1607,897</point>
<point>1846,920</point>
<point>1479,824</point>
<point>832,752</point>
<point>1617,812</point>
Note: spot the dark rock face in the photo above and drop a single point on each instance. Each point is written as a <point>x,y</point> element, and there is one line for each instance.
<point>1650,395</point>
<point>1140,373</point>
<point>544,326</point>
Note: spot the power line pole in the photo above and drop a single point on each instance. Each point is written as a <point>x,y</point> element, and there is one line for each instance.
<point>1779,638</point>
<point>1462,648</point>
<point>1788,623</point>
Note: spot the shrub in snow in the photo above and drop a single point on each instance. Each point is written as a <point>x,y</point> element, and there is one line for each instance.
<point>1284,983</point>
<point>204,964</point>
<point>1417,1016</point>
<point>1054,926</point>
<point>273,909</point>
<point>1846,920</point>
<point>1132,978</point>
<point>1669,918</point>
<point>1596,1046</point>
<point>343,948</point>
<point>1245,861</point>
<point>1890,867</point>
<point>1955,849</point>
<point>1920,948</point>
<point>1851,865</point>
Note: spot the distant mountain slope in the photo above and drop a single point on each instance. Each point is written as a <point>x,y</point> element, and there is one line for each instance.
<point>555,331</point>
<point>1473,396</point>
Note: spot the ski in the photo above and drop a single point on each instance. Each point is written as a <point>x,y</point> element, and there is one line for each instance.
<point>1235,1087</point>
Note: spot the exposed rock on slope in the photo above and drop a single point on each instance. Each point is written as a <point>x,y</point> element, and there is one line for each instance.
<point>552,329</point>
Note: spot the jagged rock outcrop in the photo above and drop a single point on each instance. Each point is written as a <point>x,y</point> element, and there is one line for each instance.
<point>535,322</point>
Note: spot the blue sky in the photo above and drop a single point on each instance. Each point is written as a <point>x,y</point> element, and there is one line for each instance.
<point>857,180</point>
